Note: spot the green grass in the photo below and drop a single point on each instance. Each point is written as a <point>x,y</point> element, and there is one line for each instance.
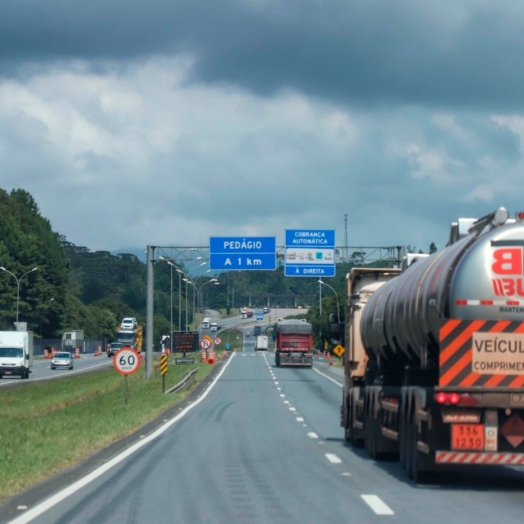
<point>52,425</point>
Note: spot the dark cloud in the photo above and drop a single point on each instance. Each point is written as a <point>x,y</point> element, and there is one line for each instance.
<point>450,53</point>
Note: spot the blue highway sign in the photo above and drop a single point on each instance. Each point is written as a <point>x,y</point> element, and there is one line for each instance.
<point>310,253</point>
<point>242,253</point>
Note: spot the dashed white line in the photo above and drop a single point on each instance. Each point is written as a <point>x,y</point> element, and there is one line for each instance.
<point>346,474</point>
<point>286,401</point>
<point>300,419</point>
<point>312,435</point>
<point>333,458</point>
<point>282,395</point>
<point>292,409</point>
<point>377,505</point>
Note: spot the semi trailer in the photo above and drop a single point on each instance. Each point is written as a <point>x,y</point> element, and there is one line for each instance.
<point>293,343</point>
<point>434,367</point>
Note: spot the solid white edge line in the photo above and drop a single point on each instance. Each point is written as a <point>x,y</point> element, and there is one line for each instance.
<point>377,505</point>
<point>79,484</point>
<point>329,378</point>
<point>68,373</point>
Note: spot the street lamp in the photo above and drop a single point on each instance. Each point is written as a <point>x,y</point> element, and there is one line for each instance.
<point>18,287</point>
<point>187,274</point>
<point>336,296</point>
<point>171,266</point>
<point>199,288</point>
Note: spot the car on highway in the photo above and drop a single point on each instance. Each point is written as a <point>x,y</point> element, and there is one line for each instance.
<point>113,348</point>
<point>62,359</point>
<point>266,310</point>
<point>128,323</point>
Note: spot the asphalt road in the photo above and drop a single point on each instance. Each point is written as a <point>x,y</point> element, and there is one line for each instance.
<point>263,445</point>
<point>42,369</point>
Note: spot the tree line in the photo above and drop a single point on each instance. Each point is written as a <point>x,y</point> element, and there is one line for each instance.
<point>76,288</point>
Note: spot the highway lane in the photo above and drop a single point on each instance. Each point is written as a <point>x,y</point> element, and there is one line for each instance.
<point>42,369</point>
<point>264,446</point>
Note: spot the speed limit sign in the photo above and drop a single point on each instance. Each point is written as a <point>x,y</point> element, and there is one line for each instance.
<point>126,361</point>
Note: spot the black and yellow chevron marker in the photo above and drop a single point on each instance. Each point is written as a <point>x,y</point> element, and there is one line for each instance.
<point>163,365</point>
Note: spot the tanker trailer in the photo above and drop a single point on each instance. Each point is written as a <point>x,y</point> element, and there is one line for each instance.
<point>444,347</point>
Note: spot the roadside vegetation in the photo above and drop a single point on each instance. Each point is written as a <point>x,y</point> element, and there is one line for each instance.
<point>51,425</point>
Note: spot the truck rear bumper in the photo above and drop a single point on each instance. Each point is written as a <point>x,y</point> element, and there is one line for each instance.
<point>12,370</point>
<point>481,458</point>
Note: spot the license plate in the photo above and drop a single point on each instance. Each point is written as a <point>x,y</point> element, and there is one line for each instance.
<point>467,436</point>
<point>8,373</point>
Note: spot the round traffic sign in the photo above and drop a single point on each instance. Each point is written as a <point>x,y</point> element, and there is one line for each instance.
<point>218,341</point>
<point>126,361</point>
<point>205,343</point>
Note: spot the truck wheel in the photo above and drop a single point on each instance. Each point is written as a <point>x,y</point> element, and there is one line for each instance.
<point>415,469</point>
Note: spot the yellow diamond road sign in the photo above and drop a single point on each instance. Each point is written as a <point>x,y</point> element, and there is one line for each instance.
<point>339,350</point>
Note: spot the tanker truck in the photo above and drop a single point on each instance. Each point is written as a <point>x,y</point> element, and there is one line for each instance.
<point>293,343</point>
<point>434,367</point>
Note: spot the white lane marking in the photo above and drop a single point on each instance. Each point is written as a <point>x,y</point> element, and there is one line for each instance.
<point>304,425</point>
<point>333,458</point>
<point>329,378</point>
<point>286,401</point>
<point>377,505</point>
<point>346,474</point>
<point>292,409</point>
<point>279,389</point>
<point>276,383</point>
<point>300,419</point>
<point>312,435</point>
<point>282,395</point>
<point>79,484</point>
<point>67,373</point>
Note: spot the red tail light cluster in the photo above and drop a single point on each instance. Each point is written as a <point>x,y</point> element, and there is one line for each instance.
<point>443,397</point>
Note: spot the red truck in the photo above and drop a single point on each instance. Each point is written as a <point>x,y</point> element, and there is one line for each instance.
<point>294,343</point>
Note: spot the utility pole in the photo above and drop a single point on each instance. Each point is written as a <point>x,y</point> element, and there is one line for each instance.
<point>346,254</point>
<point>149,311</point>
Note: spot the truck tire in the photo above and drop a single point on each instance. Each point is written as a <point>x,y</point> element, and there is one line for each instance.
<point>415,468</point>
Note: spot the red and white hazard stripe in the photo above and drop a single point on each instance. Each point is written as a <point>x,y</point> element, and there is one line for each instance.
<point>457,457</point>
<point>489,302</point>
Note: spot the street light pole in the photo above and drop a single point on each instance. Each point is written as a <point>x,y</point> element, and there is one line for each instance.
<point>322,283</point>
<point>18,287</point>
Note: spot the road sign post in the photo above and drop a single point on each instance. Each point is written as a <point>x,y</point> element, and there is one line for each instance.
<point>163,370</point>
<point>126,361</point>
<point>242,253</point>
<point>310,253</point>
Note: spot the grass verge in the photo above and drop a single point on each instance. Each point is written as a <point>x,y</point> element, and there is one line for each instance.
<point>49,426</point>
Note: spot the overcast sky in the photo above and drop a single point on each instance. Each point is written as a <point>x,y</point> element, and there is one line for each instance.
<point>169,121</point>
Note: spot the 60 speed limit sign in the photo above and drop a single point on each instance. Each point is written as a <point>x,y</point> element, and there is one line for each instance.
<point>126,361</point>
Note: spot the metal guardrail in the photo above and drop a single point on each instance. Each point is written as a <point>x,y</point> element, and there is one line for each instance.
<point>185,383</point>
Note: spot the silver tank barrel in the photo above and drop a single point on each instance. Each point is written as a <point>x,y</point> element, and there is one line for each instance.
<point>474,278</point>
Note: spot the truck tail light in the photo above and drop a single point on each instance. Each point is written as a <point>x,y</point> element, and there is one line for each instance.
<point>455,399</point>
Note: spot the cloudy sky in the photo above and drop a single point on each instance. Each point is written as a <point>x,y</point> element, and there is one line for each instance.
<point>169,121</point>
